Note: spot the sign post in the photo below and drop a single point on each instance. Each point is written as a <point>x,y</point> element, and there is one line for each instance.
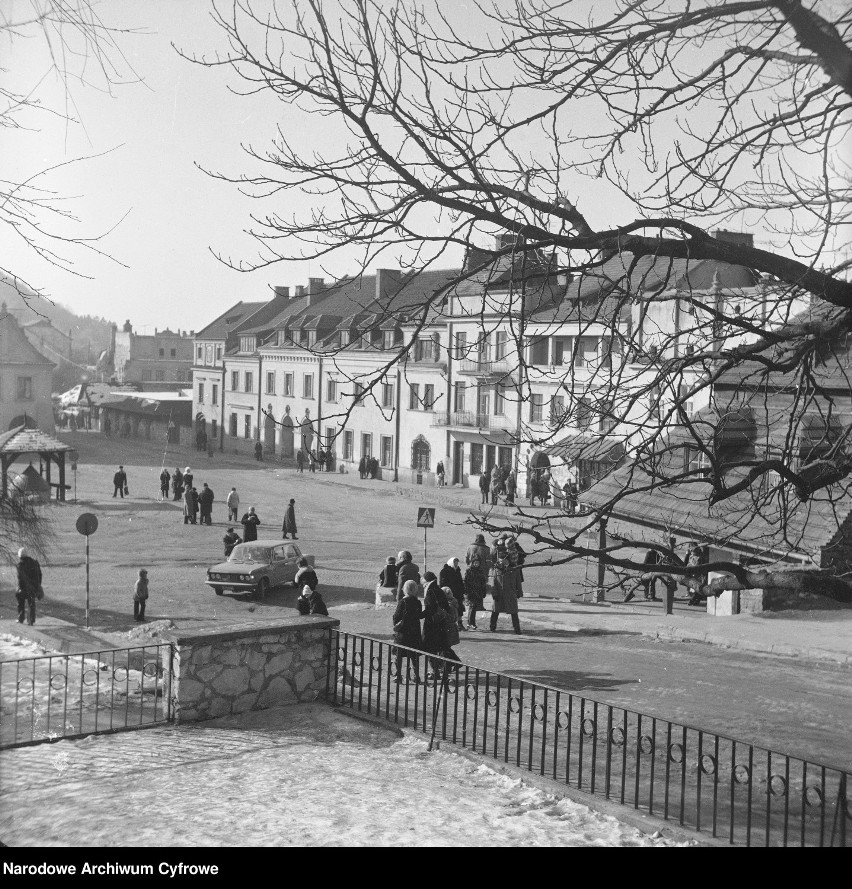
<point>87,524</point>
<point>425,519</point>
<point>73,456</point>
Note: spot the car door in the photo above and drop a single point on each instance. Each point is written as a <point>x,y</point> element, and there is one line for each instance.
<point>292,560</point>
<point>278,564</point>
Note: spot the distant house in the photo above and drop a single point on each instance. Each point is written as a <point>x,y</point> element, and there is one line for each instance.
<point>25,379</point>
<point>159,361</point>
<point>157,416</point>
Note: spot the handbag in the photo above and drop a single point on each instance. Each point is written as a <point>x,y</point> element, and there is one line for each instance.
<point>40,592</point>
<point>126,489</point>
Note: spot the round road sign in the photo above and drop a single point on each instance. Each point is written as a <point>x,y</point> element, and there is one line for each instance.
<point>87,523</point>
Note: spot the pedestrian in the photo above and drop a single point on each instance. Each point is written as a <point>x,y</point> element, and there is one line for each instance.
<point>517,556</point>
<point>316,602</point>
<point>140,595</point>
<point>231,539</point>
<point>408,570</point>
<point>389,575</point>
<point>321,456</point>
<point>107,426</point>
<point>303,601</point>
<point>474,591</point>
<point>495,485</point>
<point>436,615</point>
<point>177,483</point>
<point>205,503</point>
<point>484,485</point>
<point>479,550</point>
<point>362,467</point>
<point>406,629</point>
<point>571,497</point>
<point>165,478</point>
<point>511,488</point>
<point>439,474</point>
<point>250,521</point>
<point>119,483</point>
<point>505,594</point>
<point>233,503</point>
<point>300,460</point>
<point>187,478</point>
<point>454,623</point>
<point>190,506</point>
<point>29,587</point>
<point>289,526</point>
<point>312,461</point>
<point>306,576</point>
<point>258,451</point>
<point>451,578</point>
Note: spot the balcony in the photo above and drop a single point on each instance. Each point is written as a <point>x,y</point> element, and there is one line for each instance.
<point>472,420</point>
<point>485,370</point>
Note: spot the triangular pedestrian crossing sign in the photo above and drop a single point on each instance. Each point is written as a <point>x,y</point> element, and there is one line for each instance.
<point>425,517</point>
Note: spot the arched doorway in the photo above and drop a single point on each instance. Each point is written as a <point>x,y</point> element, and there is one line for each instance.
<point>538,463</point>
<point>269,431</point>
<point>23,420</point>
<point>287,434</point>
<point>421,453</point>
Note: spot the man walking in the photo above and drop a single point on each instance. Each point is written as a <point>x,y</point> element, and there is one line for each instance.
<point>190,506</point>
<point>29,586</point>
<point>119,482</point>
<point>300,460</point>
<point>289,526</point>
<point>205,504</point>
<point>233,502</point>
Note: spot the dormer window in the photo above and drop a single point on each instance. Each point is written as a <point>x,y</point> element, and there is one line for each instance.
<point>389,339</point>
<point>734,436</point>
<point>343,338</point>
<point>248,343</point>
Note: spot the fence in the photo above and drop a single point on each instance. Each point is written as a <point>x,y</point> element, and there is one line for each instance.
<point>736,791</point>
<point>66,696</point>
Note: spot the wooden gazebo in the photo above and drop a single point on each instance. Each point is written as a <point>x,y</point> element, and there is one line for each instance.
<point>20,442</point>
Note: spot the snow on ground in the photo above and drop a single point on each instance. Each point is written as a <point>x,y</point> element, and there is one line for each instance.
<point>304,776</point>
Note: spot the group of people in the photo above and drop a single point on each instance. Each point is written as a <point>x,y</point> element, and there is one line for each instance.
<point>447,596</point>
<point>656,562</point>
<point>368,467</point>
<point>498,481</point>
<point>325,460</point>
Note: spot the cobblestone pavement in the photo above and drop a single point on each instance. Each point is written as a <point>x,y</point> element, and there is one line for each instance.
<point>292,776</point>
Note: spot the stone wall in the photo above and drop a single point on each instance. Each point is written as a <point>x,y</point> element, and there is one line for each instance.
<point>250,666</point>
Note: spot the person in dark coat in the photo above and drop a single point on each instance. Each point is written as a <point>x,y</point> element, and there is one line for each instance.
<point>165,478</point>
<point>250,521</point>
<point>479,550</point>
<point>188,478</point>
<point>485,484</point>
<point>406,629</point>
<point>258,451</point>
<point>231,539</point>
<point>451,577</point>
<point>205,504</point>
<point>312,461</point>
<point>408,570</point>
<point>300,460</point>
<point>311,602</point>
<point>389,575</point>
<point>306,576</point>
<point>177,483</point>
<point>505,594</point>
<point>29,586</point>
<point>436,613</point>
<point>119,482</point>
<point>190,506</point>
<point>511,488</point>
<point>289,526</point>
<point>474,591</point>
<point>440,474</point>
<point>362,467</point>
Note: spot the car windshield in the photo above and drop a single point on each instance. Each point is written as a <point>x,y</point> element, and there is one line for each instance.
<point>247,553</point>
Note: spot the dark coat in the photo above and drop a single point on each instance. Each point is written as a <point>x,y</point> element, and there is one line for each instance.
<point>205,499</point>
<point>177,480</point>
<point>407,571</point>
<point>165,478</point>
<point>190,502</point>
<point>388,576</point>
<point>249,522</point>
<point>452,578</point>
<point>231,539</point>
<point>505,590</point>
<point>120,479</point>
<point>307,577</point>
<point>474,587</point>
<point>289,526</point>
<point>436,613</point>
<point>409,611</point>
<point>29,575</point>
<point>484,481</point>
<point>317,604</point>
<point>481,552</point>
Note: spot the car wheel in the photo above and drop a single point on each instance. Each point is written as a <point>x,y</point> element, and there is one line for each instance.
<point>219,590</point>
<point>263,587</point>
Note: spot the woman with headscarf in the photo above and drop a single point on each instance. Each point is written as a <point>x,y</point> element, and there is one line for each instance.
<point>436,614</point>
<point>505,594</point>
<point>406,629</point>
<point>408,570</point>
<point>474,591</point>
<point>451,577</point>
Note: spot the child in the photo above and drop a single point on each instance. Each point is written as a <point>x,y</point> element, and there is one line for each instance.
<point>140,596</point>
<point>311,602</point>
<point>389,575</point>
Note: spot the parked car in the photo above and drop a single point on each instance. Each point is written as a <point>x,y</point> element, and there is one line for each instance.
<point>257,566</point>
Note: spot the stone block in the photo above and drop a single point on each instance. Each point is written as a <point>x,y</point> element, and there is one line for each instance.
<point>232,681</point>
<point>723,605</point>
<point>255,661</point>
<point>384,596</point>
<point>189,691</point>
<point>752,601</point>
<point>278,692</point>
<point>244,702</point>
<point>218,707</point>
<point>205,674</point>
<point>303,679</point>
<point>279,664</point>
<point>230,657</point>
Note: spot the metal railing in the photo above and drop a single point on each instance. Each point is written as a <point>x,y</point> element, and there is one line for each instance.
<point>733,790</point>
<point>71,695</point>
<point>473,367</point>
<point>472,419</point>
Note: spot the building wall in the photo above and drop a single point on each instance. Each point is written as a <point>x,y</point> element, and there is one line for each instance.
<point>208,389</point>
<point>25,379</point>
<point>138,358</point>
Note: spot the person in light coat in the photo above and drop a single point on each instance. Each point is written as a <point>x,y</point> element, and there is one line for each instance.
<point>233,503</point>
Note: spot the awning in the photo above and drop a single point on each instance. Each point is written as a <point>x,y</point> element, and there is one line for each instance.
<point>600,448</point>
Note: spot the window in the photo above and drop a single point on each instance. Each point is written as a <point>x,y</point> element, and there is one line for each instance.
<point>359,395</point>
<point>420,454</point>
<point>214,427</point>
<point>235,380</point>
<point>199,353</point>
<point>461,346</point>
<point>501,341</point>
<point>607,422</point>
<point>249,381</point>
<point>348,445</point>
<point>173,353</point>
<point>654,403</point>
<point>562,350</point>
<point>499,400</point>
<point>329,439</point>
<point>232,426</point>
<point>476,454</point>
<point>162,353</point>
<point>428,397</point>
<point>458,396</point>
<point>218,353</point>
<point>366,444</point>
<point>388,339</point>
<point>270,382</point>
<point>25,388</point>
<point>483,350</point>
<point>288,384</point>
<point>536,408</point>
<point>414,397</point>
<point>587,351</point>
<point>331,391</point>
<point>539,350</point>
<point>308,386</point>
<point>247,425</point>
<point>201,393</point>
<point>426,349</point>
<point>160,375</point>
<point>557,409</point>
<point>583,415</point>
<point>694,459</point>
<point>386,451</point>
<point>215,398</point>
<point>387,395</point>
<point>146,376</point>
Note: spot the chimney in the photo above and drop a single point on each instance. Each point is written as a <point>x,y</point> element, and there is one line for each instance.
<point>505,240</point>
<point>128,327</point>
<point>315,285</point>
<point>282,292</point>
<point>387,280</point>
<point>300,290</point>
<point>192,333</point>
<point>742,239</point>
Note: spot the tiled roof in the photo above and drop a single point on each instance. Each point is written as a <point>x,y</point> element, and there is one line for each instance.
<point>30,441</point>
<point>227,321</point>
